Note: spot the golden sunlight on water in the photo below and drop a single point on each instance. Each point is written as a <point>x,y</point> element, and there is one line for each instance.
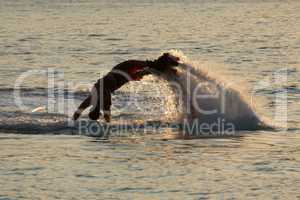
<point>42,158</point>
<point>253,165</point>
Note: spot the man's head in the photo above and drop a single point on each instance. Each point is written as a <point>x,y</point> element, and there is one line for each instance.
<point>168,60</point>
<point>165,62</point>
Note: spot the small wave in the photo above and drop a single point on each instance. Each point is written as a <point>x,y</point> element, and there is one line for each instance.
<point>52,123</point>
<point>113,39</point>
<point>37,123</point>
<point>28,39</point>
<point>96,35</point>
<point>40,91</point>
<point>23,89</point>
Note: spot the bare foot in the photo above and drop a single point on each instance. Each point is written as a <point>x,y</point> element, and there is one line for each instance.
<point>107,118</point>
<point>76,115</point>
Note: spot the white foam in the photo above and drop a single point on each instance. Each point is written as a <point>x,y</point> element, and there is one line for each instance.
<point>208,98</point>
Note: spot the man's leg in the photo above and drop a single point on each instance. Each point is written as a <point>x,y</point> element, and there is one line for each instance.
<point>106,106</point>
<point>86,103</point>
<point>95,101</point>
<point>102,102</point>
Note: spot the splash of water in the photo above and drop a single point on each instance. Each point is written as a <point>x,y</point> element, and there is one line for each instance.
<point>206,99</point>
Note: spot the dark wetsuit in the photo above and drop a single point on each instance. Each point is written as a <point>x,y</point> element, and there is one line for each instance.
<point>123,73</point>
<point>116,78</point>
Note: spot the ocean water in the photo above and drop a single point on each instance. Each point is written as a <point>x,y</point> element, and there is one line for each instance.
<point>51,52</point>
